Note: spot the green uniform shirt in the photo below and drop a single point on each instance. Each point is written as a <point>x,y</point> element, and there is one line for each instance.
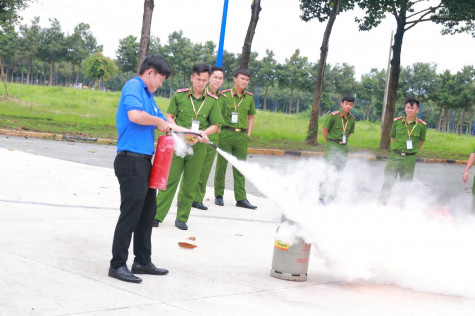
<point>400,132</point>
<point>244,105</point>
<point>214,137</point>
<point>206,107</point>
<point>335,122</point>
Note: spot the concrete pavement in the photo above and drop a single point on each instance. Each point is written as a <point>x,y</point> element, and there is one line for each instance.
<point>56,224</point>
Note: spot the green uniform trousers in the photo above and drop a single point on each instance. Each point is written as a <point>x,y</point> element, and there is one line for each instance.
<point>190,166</point>
<point>337,156</point>
<point>234,143</point>
<point>397,164</point>
<point>205,171</point>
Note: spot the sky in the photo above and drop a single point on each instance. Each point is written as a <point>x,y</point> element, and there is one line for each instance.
<point>279,29</point>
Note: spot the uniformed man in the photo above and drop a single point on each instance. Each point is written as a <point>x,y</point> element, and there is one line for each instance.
<point>336,132</point>
<point>215,82</point>
<point>237,107</point>
<point>407,136</point>
<point>197,109</point>
<point>470,162</point>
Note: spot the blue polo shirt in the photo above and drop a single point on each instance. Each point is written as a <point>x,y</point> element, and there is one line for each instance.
<point>135,137</point>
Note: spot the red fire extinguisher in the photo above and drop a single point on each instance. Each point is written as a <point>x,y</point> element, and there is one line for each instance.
<point>162,162</point>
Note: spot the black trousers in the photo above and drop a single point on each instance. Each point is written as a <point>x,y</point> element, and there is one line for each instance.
<point>138,206</point>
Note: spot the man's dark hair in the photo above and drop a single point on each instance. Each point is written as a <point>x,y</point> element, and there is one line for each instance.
<point>348,98</point>
<point>217,69</point>
<point>242,71</point>
<point>412,101</point>
<point>200,68</point>
<point>157,63</point>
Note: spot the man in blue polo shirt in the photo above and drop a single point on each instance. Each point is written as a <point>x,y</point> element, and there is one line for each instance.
<point>137,118</point>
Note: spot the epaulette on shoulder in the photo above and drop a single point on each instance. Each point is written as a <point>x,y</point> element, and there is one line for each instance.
<point>335,112</point>
<point>352,116</point>
<point>212,95</point>
<point>425,123</point>
<point>397,118</point>
<point>227,90</point>
<point>182,90</point>
<point>248,92</point>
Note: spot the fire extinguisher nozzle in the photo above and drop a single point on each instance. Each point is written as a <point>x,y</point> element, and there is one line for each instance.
<point>213,145</point>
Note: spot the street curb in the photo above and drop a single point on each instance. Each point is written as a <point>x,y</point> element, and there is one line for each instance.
<point>54,136</point>
<point>256,151</point>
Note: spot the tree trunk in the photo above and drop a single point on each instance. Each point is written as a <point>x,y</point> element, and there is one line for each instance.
<point>251,30</point>
<point>145,36</point>
<point>3,77</point>
<point>460,130</point>
<point>455,124</point>
<point>393,83</point>
<point>441,109</point>
<point>28,75</point>
<point>51,72</point>
<point>290,100</point>
<point>265,99</point>
<point>443,128</point>
<point>448,120</point>
<point>298,103</point>
<point>317,96</point>
<point>470,131</point>
<point>368,110</point>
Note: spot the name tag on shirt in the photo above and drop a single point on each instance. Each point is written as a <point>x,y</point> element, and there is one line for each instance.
<point>195,125</point>
<point>234,117</point>
<point>409,144</point>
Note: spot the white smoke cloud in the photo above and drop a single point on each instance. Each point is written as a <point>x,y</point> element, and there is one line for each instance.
<point>412,242</point>
<point>181,148</point>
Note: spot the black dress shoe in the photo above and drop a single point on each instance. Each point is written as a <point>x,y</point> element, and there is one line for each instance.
<point>123,274</point>
<point>156,222</point>
<point>147,269</point>
<point>181,225</point>
<point>219,201</point>
<point>199,205</point>
<point>245,204</point>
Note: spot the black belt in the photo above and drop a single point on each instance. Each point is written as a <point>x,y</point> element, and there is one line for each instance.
<point>132,154</point>
<point>237,130</point>
<point>336,141</point>
<point>403,154</point>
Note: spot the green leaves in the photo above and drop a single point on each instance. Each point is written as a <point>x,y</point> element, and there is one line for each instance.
<point>99,68</point>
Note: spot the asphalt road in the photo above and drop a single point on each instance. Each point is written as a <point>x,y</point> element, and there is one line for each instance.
<point>442,178</point>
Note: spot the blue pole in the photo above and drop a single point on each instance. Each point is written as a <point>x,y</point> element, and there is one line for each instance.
<point>420,112</point>
<point>473,128</point>
<point>219,61</point>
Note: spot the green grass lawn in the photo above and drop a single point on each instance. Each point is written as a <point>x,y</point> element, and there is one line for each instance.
<point>91,113</point>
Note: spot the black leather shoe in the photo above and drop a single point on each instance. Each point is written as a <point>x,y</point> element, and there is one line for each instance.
<point>181,225</point>
<point>199,205</point>
<point>148,269</point>
<point>124,274</point>
<point>156,222</point>
<point>245,204</point>
<point>219,201</point>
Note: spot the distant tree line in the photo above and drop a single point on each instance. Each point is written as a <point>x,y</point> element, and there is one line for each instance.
<point>47,56</point>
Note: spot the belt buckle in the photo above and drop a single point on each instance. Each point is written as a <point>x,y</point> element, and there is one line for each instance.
<point>237,130</point>
<point>403,154</point>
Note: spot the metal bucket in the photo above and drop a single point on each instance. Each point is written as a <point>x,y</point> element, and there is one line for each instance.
<point>290,262</point>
